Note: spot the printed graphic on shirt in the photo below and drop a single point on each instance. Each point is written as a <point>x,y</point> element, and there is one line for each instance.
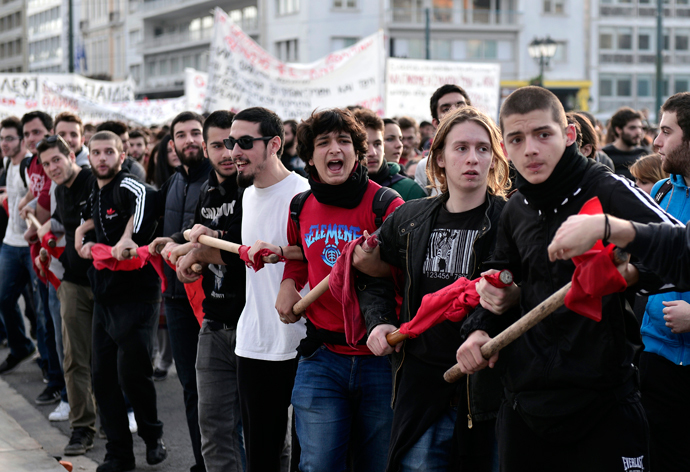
<point>633,464</point>
<point>332,235</point>
<point>219,272</point>
<point>214,213</point>
<point>110,213</point>
<point>36,183</point>
<point>449,253</point>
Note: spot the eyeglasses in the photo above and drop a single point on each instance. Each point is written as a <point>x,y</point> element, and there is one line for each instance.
<point>9,139</point>
<point>52,140</point>
<point>245,142</point>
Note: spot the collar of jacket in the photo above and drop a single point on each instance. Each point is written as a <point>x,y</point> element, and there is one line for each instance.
<point>227,186</point>
<point>196,172</point>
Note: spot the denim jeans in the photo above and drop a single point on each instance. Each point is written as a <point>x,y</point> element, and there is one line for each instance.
<point>15,273</point>
<point>54,304</point>
<point>432,452</point>
<point>45,335</point>
<point>342,404</point>
<point>184,338</point>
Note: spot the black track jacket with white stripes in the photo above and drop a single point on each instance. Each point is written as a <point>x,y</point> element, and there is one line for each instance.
<point>111,207</point>
<point>566,362</point>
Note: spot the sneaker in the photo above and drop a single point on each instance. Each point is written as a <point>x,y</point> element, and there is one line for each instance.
<point>156,452</point>
<point>159,374</point>
<point>132,422</point>
<point>113,464</point>
<point>11,362</point>
<point>61,413</point>
<point>49,396</point>
<point>80,442</point>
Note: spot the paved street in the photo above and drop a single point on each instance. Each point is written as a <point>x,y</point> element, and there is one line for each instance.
<point>17,393</point>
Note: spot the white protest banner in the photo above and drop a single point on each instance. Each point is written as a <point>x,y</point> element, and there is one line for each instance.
<point>195,89</point>
<point>21,93</point>
<point>242,75</point>
<point>411,83</point>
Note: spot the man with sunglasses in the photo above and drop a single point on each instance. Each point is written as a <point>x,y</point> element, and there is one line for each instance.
<point>266,348</point>
<point>73,187</point>
<point>180,194</point>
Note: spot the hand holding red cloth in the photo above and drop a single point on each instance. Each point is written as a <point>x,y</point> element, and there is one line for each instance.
<point>53,251</point>
<point>48,276</point>
<point>451,303</point>
<point>595,274</point>
<point>342,285</point>
<point>195,295</point>
<point>103,259</point>
<point>258,262</point>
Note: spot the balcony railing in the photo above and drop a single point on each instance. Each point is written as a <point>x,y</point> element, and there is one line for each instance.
<point>454,16</point>
<point>177,39</point>
<point>606,58</point>
<point>675,11</point>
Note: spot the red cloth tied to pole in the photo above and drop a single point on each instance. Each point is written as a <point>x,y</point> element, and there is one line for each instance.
<point>103,259</point>
<point>342,285</point>
<point>451,303</point>
<point>595,274</point>
<point>5,205</point>
<point>35,250</point>
<point>258,262</point>
<point>195,294</point>
<point>53,251</point>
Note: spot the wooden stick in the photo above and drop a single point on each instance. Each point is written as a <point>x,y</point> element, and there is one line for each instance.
<point>235,248</point>
<point>129,253</point>
<point>301,306</point>
<point>33,220</point>
<point>396,337</point>
<point>197,268</point>
<point>515,330</point>
<point>43,255</point>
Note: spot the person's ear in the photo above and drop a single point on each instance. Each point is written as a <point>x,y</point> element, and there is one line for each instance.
<point>203,146</point>
<point>570,134</point>
<point>586,150</point>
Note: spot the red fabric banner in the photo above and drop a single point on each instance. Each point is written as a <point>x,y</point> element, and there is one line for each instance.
<point>195,294</point>
<point>103,259</point>
<point>258,262</point>
<point>595,274</point>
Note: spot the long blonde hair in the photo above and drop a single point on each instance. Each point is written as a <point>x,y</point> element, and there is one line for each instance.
<point>498,181</point>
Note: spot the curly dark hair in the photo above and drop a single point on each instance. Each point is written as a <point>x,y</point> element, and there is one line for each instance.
<point>328,121</point>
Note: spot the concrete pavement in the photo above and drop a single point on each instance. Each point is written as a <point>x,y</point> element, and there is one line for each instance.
<point>28,442</point>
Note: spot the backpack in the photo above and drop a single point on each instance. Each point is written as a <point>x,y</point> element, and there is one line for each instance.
<point>666,187</point>
<point>382,200</point>
<point>23,165</point>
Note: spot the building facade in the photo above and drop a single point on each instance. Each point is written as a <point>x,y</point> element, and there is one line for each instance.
<point>623,51</point>
<point>13,57</point>
<point>102,26</point>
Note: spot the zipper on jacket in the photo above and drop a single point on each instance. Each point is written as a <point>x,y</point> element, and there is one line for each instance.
<point>469,407</point>
<point>409,283</point>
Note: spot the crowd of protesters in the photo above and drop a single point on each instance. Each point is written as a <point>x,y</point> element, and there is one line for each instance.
<point>112,237</point>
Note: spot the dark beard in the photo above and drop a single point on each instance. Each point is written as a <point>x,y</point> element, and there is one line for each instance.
<point>245,181</point>
<point>192,160</point>
<point>678,160</point>
<point>112,172</point>
<point>628,141</point>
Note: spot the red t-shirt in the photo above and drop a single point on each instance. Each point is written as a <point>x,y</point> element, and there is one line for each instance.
<point>38,182</point>
<point>325,231</point>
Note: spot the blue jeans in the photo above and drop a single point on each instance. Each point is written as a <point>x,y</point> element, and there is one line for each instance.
<point>433,451</point>
<point>15,273</point>
<point>342,405</point>
<point>54,304</point>
<point>45,335</point>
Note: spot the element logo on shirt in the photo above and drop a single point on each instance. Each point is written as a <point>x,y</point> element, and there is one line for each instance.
<point>449,253</point>
<point>332,235</point>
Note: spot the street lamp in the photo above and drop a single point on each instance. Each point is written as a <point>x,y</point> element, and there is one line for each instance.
<point>542,50</point>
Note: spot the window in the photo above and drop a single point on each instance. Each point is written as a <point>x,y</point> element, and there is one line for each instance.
<point>287,50</point>
<point>681,84</point>
<point>482,49</point>
<point>624,87</point>
<point>134,37</point>
<point>554,6</point>
<point>342,43</point>
<point>163,67</point>
<point>344,4</point>
<point>287,7</point>
<point>645,40</point>
<point>645,86</point>
<point>605,41</point>
<point>561,52</point>
<point>135,72</point>
<point>150,68</point>
<point>681,42</point>
<point>175,65</point>
<point>624,38</point>
<point>186,61</point>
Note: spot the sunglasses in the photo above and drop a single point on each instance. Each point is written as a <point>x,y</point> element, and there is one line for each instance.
<point>52,140</point>
<point>245,142</point>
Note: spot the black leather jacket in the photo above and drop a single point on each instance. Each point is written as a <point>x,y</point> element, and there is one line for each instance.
<point>404,237</point>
